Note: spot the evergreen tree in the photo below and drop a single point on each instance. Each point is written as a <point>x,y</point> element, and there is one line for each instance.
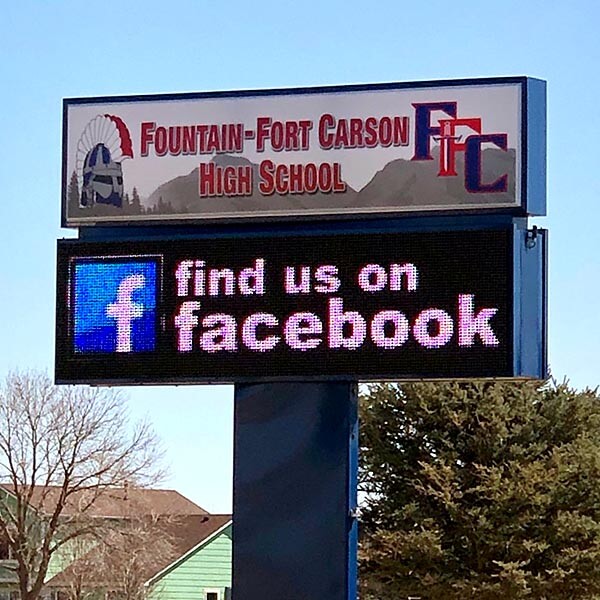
<point>480,491</point>
<point>136,204</point>
<point>73,193</point>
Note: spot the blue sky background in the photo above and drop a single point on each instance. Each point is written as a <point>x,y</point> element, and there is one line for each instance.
<point>50,50</point>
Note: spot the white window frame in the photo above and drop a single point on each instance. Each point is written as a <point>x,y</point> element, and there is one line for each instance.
<point>213,591</point>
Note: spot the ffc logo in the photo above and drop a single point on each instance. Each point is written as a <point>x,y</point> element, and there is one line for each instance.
<point>114,308</point>
<point>451,144</point>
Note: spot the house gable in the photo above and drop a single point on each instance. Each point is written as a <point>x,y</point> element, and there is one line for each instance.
<point>207,566</point>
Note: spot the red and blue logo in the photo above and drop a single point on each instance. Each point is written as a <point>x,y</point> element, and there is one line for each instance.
<point>452,144</point>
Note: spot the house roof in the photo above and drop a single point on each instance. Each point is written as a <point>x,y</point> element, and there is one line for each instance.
<point>115,502</point>
<point>189,531</point>
<point>184,532</point>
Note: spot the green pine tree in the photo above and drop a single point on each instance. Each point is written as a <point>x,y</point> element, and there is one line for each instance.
<point>136,204</point>
<point>480,491</point>
<point>73,194</point>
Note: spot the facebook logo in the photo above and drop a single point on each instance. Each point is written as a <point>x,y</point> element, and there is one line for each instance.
<point>114,305</point>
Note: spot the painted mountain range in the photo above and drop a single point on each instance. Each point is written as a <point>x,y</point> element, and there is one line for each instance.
<point>401,183</point>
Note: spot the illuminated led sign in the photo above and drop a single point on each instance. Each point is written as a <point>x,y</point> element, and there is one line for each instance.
<point>348,151</point>
<point>389,306</point>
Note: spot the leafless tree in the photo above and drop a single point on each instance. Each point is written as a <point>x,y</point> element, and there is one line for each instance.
<point>121,561</point>
<point>61,450</point>
<point>76,583</point>
<point>130,555</point>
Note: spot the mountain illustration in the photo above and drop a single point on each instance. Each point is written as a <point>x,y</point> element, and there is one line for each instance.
<point>401,183</point>
<point>416,183</point>
<point>182,194</point>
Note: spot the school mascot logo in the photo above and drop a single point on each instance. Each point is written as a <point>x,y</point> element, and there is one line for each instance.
<point>104,143</point>
<point>445,132</point>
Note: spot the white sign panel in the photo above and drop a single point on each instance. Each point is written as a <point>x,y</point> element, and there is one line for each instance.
<point>303,153</point>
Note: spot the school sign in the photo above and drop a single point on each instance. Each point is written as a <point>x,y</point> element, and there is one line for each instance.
<point>351,151</point>
<point>294,242</point>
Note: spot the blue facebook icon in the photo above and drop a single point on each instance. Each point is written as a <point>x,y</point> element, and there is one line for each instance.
<point>114,305</point>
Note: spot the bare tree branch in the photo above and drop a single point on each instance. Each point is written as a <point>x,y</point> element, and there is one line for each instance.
<point>119,561</point>
<point>61,449</point>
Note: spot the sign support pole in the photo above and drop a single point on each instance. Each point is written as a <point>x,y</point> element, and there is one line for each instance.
<point>294,491</point>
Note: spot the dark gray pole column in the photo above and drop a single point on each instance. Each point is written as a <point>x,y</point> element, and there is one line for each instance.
<point>294,491</point>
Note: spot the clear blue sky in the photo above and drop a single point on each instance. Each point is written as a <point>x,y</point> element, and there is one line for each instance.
<point>51,50</point>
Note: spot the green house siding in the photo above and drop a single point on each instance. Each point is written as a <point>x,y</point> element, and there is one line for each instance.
<point>208,567</point>
<point>66,554</point>
<point>8,499</point>
<point>59,561</point>
<point>8,575</point>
